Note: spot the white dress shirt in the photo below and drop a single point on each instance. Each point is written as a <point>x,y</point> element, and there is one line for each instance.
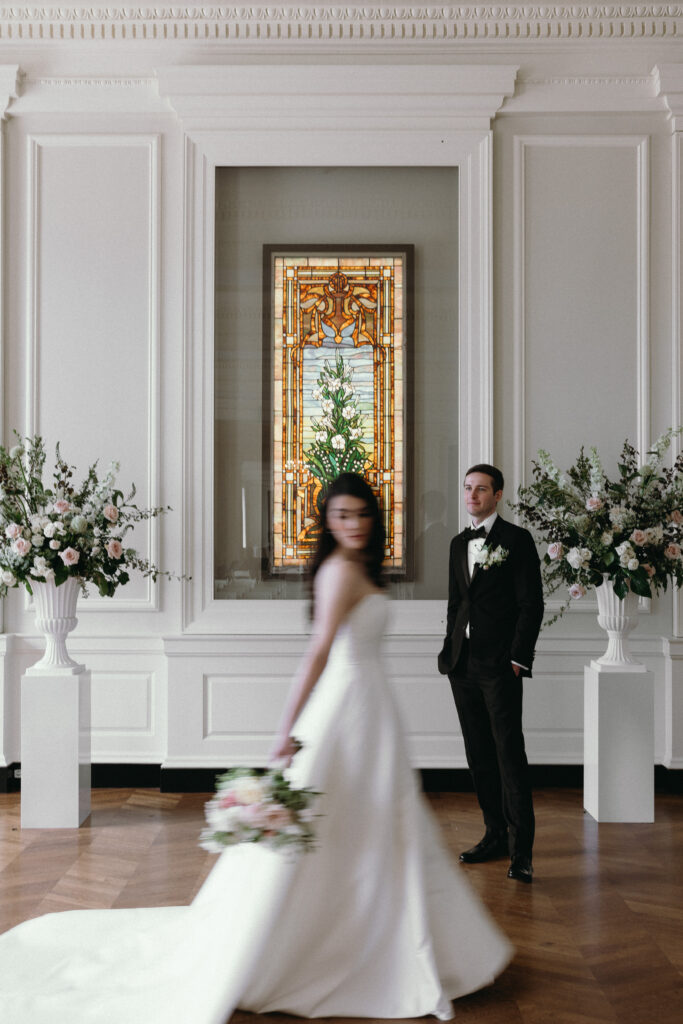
<point>475,545</point>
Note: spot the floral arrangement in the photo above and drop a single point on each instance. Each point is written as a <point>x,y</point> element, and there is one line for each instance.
<point>629,530</point>
<point>62,530</point>
<point>253,806</point>
<point>487,558</point>
<point>337,447</point>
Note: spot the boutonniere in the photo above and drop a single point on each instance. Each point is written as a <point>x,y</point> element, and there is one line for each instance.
<point>487,558</point>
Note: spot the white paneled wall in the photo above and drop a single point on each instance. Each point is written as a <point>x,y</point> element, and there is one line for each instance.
<point>570,171</point>
<point>93,312</point>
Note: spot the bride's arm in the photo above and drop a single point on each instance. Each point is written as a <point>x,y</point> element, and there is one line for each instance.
<point>336,590</point>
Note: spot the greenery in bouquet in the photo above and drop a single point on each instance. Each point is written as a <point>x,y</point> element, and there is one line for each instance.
<point>337,446</point>
<point>59,530</point>
<point>629,529</point>
<point>258,806</point>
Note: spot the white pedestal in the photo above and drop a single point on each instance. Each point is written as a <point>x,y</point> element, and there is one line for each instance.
<point>55,749</point>
<point>619,744</point>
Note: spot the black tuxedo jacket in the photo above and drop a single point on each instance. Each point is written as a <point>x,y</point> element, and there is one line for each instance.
<point>503,604</point>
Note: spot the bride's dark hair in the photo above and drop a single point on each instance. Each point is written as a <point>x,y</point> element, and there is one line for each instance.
<point>353,486</point>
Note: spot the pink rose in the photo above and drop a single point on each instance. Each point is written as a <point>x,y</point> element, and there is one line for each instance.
<point>69,556</point>
<point>555,550</point>
<point>114,549</point>
<point>61,506</point>
<point>671,550</point>
<point>13,531</point>
<point>676,516</point>
<point>22,546</point>
<point>256,815</point>
<point>111,513</point>
<point>593,503</point>
<point>577,591</point>
<point>639,537</point>
<point>279,818</point>
<point>228,800</point>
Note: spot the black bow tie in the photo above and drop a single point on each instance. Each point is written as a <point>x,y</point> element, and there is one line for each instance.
<point>470,533</point>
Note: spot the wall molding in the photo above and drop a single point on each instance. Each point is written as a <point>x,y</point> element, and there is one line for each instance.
<point>231,117</point>
<point>36,145</point>
<point>370,23</point>
<point>520,458</point>
<point>669,83</point>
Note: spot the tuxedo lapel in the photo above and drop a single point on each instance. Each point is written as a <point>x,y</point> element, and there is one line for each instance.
<point>462,558</point>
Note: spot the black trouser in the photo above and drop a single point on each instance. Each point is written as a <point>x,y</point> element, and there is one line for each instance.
<point>490,711</point>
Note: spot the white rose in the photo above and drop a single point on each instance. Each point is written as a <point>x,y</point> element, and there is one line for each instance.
<point>248,790</point>
<point>222,819</point>
<point>607,538</point>
<point>37,540</point>
<point>578,558</point>
<point>8,578</point>
<point>632,564</point>
<point>576,591</point>
<point>55,545</point>
<point>49,529</point>
<point>79,524</point>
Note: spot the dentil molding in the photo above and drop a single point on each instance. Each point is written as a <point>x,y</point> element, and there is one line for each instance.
<point>338,23</point>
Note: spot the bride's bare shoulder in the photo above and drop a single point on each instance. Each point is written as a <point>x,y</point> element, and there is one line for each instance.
<point>339,575</point>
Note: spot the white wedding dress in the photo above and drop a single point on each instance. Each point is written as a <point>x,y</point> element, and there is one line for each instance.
<point>376,922</point>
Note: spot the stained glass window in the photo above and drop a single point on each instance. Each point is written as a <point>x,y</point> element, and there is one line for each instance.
<point>337,337</point>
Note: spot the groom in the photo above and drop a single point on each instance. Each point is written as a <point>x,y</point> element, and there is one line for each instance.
<point>495,609</point>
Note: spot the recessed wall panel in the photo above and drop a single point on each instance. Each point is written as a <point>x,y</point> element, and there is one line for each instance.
<point>91,380</point>
<point>583,316</point>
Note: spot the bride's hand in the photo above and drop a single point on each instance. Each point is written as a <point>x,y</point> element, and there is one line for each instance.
<point>283,751</point>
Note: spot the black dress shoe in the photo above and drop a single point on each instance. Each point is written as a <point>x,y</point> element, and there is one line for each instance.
<point>494,844</point>
<point>521,870</point>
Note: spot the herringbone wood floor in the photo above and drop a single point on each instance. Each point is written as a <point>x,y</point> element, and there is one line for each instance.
<point>599,935</point>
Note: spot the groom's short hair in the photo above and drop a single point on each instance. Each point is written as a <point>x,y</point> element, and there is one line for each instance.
<point>495,474</point>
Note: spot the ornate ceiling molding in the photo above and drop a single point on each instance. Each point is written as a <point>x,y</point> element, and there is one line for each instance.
<point>336,24</point>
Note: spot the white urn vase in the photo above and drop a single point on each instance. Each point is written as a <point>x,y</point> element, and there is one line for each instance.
<point>55,618</point>
<point>618,617</point>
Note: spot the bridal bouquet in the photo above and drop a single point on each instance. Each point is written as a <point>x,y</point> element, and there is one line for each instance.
<point>53,531</point>
<point>254,806</point>
<point>629,529</point>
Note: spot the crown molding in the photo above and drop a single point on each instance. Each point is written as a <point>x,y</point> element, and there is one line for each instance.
<point>422,96</point>
<point>361,24</point>
<point>586,94</point>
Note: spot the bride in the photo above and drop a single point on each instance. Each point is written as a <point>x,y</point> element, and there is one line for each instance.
<point>376,922</point>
